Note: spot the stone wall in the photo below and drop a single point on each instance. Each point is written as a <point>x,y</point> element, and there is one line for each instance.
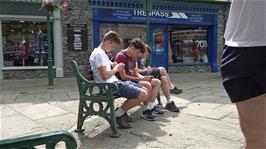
<point>81,14</point>
<point>194,68</point>
<point>26,74</point>
<point>220,38</point>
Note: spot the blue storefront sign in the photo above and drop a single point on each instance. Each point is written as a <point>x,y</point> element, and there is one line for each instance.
<point>164,17</point>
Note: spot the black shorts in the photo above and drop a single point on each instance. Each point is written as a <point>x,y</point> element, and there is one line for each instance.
<point>155,72</point>
<point>244,72</point>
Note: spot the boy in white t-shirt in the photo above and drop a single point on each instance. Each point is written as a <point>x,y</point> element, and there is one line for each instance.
<point>104,72</point>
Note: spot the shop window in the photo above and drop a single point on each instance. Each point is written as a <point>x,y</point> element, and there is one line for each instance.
<point>24,43</point>
<point>188,45</point>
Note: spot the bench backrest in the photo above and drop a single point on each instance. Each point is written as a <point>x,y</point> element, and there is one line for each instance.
<point>48,139</point>
<point>79,77</point>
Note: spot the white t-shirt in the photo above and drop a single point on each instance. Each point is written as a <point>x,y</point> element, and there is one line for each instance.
<point>99,58</point>
<point>246,25</point>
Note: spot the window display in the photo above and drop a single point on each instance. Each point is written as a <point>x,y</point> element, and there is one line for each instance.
<point>158,36</point>
<point>24,43</point>
<point>188,45</point>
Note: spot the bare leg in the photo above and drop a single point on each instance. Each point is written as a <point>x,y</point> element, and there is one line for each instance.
<point>252,117</point>
<point>147,86</point>
<point>165,86</point>
<point>164,73</point>
<point>156,85</point>
<point>131,103</point>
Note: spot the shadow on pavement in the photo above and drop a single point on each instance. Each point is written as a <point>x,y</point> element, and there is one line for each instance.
<point>96,134</point>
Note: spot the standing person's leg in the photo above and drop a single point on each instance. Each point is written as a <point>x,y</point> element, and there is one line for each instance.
<point>252,117</point>
<point>243,71</point>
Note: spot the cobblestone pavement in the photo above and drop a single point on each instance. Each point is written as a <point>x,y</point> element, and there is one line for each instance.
<point>207,118</point>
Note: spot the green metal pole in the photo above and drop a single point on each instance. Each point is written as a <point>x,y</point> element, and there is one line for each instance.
<point>50,60</point>
<point>148,21</point>
<point>148,10</point>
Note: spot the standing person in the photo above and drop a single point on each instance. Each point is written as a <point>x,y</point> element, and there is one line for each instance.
<point>103,73</point>
<point>243,68</point>
<point>128,57</point>
<point>161,74</point>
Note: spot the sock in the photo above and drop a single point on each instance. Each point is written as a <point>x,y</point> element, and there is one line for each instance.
<point>151,105</point>
<point>119,112</point>
<point>169,100</point>
<point>171,86</point>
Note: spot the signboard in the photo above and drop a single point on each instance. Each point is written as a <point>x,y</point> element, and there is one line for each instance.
<point>77,37</point>
<point>155,16</point>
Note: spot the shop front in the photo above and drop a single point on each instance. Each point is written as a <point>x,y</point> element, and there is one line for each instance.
<point>23,44</point>
<point>177,38</point>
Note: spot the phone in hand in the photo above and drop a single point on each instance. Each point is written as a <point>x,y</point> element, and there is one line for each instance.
<point>151,77</point>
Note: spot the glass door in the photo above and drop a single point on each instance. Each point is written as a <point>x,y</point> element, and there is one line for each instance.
<point>159,40</point>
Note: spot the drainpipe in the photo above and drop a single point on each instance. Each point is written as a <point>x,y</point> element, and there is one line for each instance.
<point>50,60</point>
<point>148,10</point>
<point>1,53</point>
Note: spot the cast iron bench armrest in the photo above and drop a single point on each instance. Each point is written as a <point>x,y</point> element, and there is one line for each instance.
<point>97,91</point>
<point>90,94</point>
<point>49,139</point>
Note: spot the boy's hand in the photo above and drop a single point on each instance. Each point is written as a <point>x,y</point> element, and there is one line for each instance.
<point>119,67</point>
<point>147,78</point>
<point>149,68</point>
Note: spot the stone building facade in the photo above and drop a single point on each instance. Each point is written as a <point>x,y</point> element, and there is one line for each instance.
<point>81,14</point>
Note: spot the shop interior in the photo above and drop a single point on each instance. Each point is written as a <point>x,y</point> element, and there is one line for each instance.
<point>187,44</point>
<point>24,43</point>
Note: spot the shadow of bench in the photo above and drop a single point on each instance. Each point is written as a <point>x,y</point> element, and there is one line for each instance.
<point>50,140</point>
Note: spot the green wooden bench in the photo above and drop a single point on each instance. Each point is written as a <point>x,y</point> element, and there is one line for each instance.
<point>98,94</point>
<point>94,99</point>
<point>48,139</point>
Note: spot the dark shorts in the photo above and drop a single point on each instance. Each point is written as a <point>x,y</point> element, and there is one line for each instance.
<point>244,72</point>
<point>127,89</point>
<point>155,72</point>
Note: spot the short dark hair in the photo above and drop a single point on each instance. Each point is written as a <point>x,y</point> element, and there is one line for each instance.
<point>138,44</point>
<point>112,36</point>
<point>148,48</point>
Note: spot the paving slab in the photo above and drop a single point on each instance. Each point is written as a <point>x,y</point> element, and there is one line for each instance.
<point>19,125</point>
<point>6,111</point>
<point>207,118</point>
<point>69,105</point>
<point>59,122</point>
<point>208,110</point>
<point>40,111</point>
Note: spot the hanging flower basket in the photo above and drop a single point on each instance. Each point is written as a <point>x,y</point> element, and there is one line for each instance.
<point>51,5</point>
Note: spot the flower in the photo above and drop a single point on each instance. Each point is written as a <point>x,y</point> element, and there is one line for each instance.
<point>64,5</point>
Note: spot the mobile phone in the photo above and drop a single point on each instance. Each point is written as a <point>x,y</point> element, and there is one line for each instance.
<point>151,77</point>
